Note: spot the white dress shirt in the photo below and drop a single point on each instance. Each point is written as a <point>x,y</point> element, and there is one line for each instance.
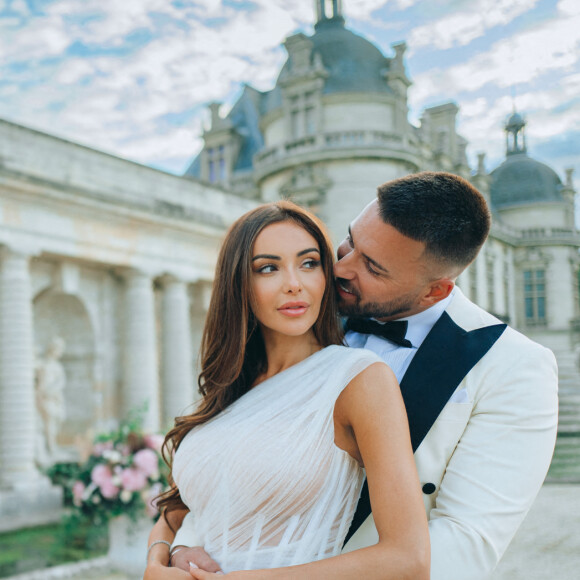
<point>399,357</point>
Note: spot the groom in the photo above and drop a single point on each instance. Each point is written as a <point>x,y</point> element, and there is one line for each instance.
<point>481,398</point>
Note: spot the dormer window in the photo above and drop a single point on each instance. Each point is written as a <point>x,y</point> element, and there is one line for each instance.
<point>216,164</point>
<point>303,115</point>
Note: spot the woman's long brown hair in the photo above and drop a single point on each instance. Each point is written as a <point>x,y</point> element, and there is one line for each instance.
<point>232,348</point>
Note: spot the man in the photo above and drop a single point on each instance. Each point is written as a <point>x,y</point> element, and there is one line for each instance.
<point>481,398</point>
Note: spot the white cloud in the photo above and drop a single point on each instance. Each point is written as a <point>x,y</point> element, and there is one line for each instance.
<point>363,9</point>
<point>521,58</point>
<point>459,28</point>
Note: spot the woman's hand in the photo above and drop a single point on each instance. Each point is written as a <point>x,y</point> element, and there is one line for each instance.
<point>182,556</point>
<point>200,574</point>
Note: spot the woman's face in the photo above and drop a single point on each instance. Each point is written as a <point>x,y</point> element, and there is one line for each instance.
<point>288,281</point>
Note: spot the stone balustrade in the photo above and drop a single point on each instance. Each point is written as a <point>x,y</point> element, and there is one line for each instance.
<point>333,141</point>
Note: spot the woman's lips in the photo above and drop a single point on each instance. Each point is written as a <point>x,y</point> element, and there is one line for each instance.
<point>293,309</point>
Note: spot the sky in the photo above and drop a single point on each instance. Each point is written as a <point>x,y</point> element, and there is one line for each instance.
<point>134,77</point>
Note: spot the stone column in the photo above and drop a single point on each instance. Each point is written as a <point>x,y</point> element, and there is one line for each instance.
<point>18,408</point>
<point>177,371</point>
<point>25,495</point>
<point>140,369</point>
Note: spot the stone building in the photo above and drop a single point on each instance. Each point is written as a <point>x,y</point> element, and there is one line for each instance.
<point>117,259</point>
<point>334,127</point>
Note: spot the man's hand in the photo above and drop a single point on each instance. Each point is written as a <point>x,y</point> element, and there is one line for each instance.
<point>156,571</point>
<point>183,555</point>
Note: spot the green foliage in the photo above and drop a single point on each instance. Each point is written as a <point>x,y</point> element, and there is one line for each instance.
<point>40,547</point>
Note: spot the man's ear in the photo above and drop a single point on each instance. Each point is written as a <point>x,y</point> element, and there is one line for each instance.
<point>437,291</point>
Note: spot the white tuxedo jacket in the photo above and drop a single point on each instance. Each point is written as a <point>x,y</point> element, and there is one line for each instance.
<point>483,461</point>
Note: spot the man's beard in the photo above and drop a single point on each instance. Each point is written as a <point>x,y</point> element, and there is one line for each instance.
<point>377,310</point>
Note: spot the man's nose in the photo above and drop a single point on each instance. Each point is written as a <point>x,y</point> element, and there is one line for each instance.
<point>342,266</point>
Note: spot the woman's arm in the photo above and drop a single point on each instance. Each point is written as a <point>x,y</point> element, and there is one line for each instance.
<point>158,554</point>
<point>371,424</point>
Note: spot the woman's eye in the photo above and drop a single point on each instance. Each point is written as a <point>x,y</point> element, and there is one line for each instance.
<point>267,269</point>
<point>311,263</point>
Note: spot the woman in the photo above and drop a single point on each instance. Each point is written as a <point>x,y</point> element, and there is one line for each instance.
<point>270,465</point>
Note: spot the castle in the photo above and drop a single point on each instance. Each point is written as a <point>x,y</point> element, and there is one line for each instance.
<point>116,259</point>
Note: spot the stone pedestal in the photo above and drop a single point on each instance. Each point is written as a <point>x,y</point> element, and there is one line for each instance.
<point>128,544</point>
<point>30,505</point>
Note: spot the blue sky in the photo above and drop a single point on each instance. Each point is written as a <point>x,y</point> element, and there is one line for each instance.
<point>133,77</point>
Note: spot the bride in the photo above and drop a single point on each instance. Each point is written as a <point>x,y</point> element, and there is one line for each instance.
<point>268,470</point>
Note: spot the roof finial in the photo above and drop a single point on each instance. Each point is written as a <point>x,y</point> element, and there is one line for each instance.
<point>328,10</point>
<point>515,134</point>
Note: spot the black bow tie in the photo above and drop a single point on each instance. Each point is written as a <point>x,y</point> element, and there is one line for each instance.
<point>394,330</point>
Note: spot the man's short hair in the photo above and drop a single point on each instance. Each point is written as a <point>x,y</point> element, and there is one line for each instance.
<point>442,210</point>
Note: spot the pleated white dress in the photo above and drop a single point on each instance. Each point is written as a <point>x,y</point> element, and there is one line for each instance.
<point>265,484</point>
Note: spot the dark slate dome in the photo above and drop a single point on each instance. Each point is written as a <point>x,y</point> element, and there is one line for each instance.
<point>353,63</point>
<point>515,122</point>
<point>523,180</point>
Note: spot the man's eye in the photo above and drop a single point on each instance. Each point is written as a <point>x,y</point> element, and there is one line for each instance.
<point>371,269</point>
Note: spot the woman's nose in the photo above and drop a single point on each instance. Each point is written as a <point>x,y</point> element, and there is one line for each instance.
<point>293,284</point>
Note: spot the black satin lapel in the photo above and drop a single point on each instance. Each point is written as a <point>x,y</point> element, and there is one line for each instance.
<point>444,359</point>
<point>447,354</point>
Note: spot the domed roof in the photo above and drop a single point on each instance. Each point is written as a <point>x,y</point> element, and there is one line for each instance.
<point>523,180</point>
<point>353,63</point>
<point>516,121</point>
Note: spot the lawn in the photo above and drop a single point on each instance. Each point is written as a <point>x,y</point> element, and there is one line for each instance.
<point>51,545</point>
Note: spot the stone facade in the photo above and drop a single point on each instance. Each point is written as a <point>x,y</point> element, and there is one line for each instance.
<point>114,258</point>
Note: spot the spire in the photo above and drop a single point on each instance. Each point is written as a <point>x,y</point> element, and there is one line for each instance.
<point>328,11</point>
<point>515,134</point>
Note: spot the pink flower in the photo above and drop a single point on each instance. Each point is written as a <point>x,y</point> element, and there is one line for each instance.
<point>147,461</point>
<point>77,491</point>
<point>154,442</point>
<point>133,479</point>
<point>100,474</point>
<point>102,446</point>
<point>109,490</point>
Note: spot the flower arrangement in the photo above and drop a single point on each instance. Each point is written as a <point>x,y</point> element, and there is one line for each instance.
<point>122,476</point>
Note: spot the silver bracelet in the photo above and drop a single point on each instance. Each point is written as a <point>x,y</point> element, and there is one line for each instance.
<point>173,552</point>
<point>154,544</point>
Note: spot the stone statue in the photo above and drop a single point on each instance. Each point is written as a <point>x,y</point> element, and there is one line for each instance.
<point>50,383</point>
<point>577,356</point>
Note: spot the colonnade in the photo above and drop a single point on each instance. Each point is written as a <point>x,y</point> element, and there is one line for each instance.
<point>158,375</point>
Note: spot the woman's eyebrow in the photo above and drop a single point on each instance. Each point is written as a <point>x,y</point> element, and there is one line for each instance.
<point>266,256</point>
<point>307,251</point>
<point>273,257</point>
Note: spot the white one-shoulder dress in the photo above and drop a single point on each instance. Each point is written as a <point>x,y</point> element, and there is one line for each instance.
<point>265,484</point>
